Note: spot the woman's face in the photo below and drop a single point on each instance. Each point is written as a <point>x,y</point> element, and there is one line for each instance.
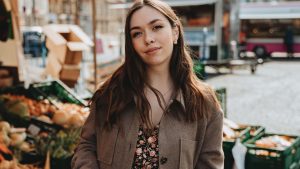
<point>152,36</point>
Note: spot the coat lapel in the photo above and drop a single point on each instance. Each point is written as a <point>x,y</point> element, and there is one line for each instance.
<point>169,137</point>
<point>169,142</point>
<point>131,137</point>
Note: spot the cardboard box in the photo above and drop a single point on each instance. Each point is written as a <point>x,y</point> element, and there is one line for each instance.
<point>69,83</point>
<point>58,50</point>
<point>9,53</point>
<point>53,67</point>
<point>74,52</point>
<point>70,72</point>
<point>62,40</point>
<point>73,57</point>
<point>66,44</point>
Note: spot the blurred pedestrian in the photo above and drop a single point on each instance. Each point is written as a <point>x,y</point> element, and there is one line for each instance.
<point>153,112</point>
<point>289,41</point>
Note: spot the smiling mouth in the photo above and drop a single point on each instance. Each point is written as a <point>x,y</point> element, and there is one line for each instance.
<point>152,50</point>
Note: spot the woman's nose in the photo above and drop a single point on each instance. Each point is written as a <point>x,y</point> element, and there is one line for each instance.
<point>149,38</point>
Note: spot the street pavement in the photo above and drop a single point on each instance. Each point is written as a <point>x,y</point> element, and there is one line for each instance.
<point>270,97</point>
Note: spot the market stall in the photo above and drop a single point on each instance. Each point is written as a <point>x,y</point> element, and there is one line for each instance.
<point>44,119</point>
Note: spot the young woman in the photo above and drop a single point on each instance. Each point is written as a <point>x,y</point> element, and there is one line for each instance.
<point>153,112</point>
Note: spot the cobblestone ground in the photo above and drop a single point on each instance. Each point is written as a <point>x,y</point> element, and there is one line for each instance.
<point>270,98</point>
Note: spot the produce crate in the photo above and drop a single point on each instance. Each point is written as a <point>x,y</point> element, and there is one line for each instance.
<point>21,90</point>
<point>56,91</point>
<point>13,111</point>
<point>272,158</point>
<point>229,144</point>
<point>295,165</point>
<point>256,130</point>
<point>53,91</point>
<point>222,97</point>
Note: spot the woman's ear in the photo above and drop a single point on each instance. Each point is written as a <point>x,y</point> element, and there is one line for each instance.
<point>175,34</point>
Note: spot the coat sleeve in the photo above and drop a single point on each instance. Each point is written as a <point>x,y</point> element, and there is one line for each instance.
<point>85,156</point>
<point>211,155</point>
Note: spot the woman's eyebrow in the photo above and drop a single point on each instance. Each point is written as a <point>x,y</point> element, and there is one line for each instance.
<point>150,23</point>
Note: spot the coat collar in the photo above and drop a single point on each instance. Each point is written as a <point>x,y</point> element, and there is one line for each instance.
<point>168,131</point>
<point>167,128</point>
<point>179,97</point>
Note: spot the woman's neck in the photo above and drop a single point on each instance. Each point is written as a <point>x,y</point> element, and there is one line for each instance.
<point>160,79</point>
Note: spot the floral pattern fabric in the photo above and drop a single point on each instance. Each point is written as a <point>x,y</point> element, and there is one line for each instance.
<point>146,154</point>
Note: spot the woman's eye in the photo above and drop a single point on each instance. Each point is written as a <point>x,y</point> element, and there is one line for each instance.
<point>157,27</point>
<point>136,34</point>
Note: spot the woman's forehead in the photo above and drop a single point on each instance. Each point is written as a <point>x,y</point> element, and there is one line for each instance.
<point>145,16</point>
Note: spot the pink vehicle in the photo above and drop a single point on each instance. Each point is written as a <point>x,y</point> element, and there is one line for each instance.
<point>271,28</point>
<point>268,46</point>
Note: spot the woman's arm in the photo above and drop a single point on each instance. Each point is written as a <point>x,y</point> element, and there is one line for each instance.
<point>211,156</point>
<point>85,153</point>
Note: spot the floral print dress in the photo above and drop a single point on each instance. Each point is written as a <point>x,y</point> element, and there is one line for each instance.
<point>146,154</point>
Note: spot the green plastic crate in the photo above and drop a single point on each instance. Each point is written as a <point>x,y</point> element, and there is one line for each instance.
<point>295,165</point>
<point>280,159</point>
<point>56,91</point>
<point>20,90</point>
<point>297,156</point>
<point>222,97</point>
<point>256,130</point>
<point>229,144</point>
<point>250,132</point>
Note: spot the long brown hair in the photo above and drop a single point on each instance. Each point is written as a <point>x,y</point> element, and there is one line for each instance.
<point>128,82</point>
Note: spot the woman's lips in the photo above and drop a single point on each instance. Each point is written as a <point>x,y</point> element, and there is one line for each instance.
<point>152,50</point>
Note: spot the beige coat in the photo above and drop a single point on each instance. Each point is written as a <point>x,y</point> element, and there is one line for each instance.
<point>181,146</point>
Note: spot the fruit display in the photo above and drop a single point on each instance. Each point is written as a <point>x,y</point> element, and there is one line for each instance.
<point>34,123</point>
<point>268,150</point>
<point>24,107</point>
<point>275,142</point>
<point>61,145</point>
<point>12,140</point>
<point>19,149</point>
<point>63,114</point>
<point>231,130</point>
<point>70,115</point>
<point>10,136</point>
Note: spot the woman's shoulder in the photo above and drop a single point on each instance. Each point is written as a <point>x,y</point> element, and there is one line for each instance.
<point>205,88</point>
<point>210,99</point>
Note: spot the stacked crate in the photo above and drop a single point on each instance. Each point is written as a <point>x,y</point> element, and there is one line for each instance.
<point>66,44</point>
<point>262,156</point>
<point>270,155</point>
<point>243,133</point>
